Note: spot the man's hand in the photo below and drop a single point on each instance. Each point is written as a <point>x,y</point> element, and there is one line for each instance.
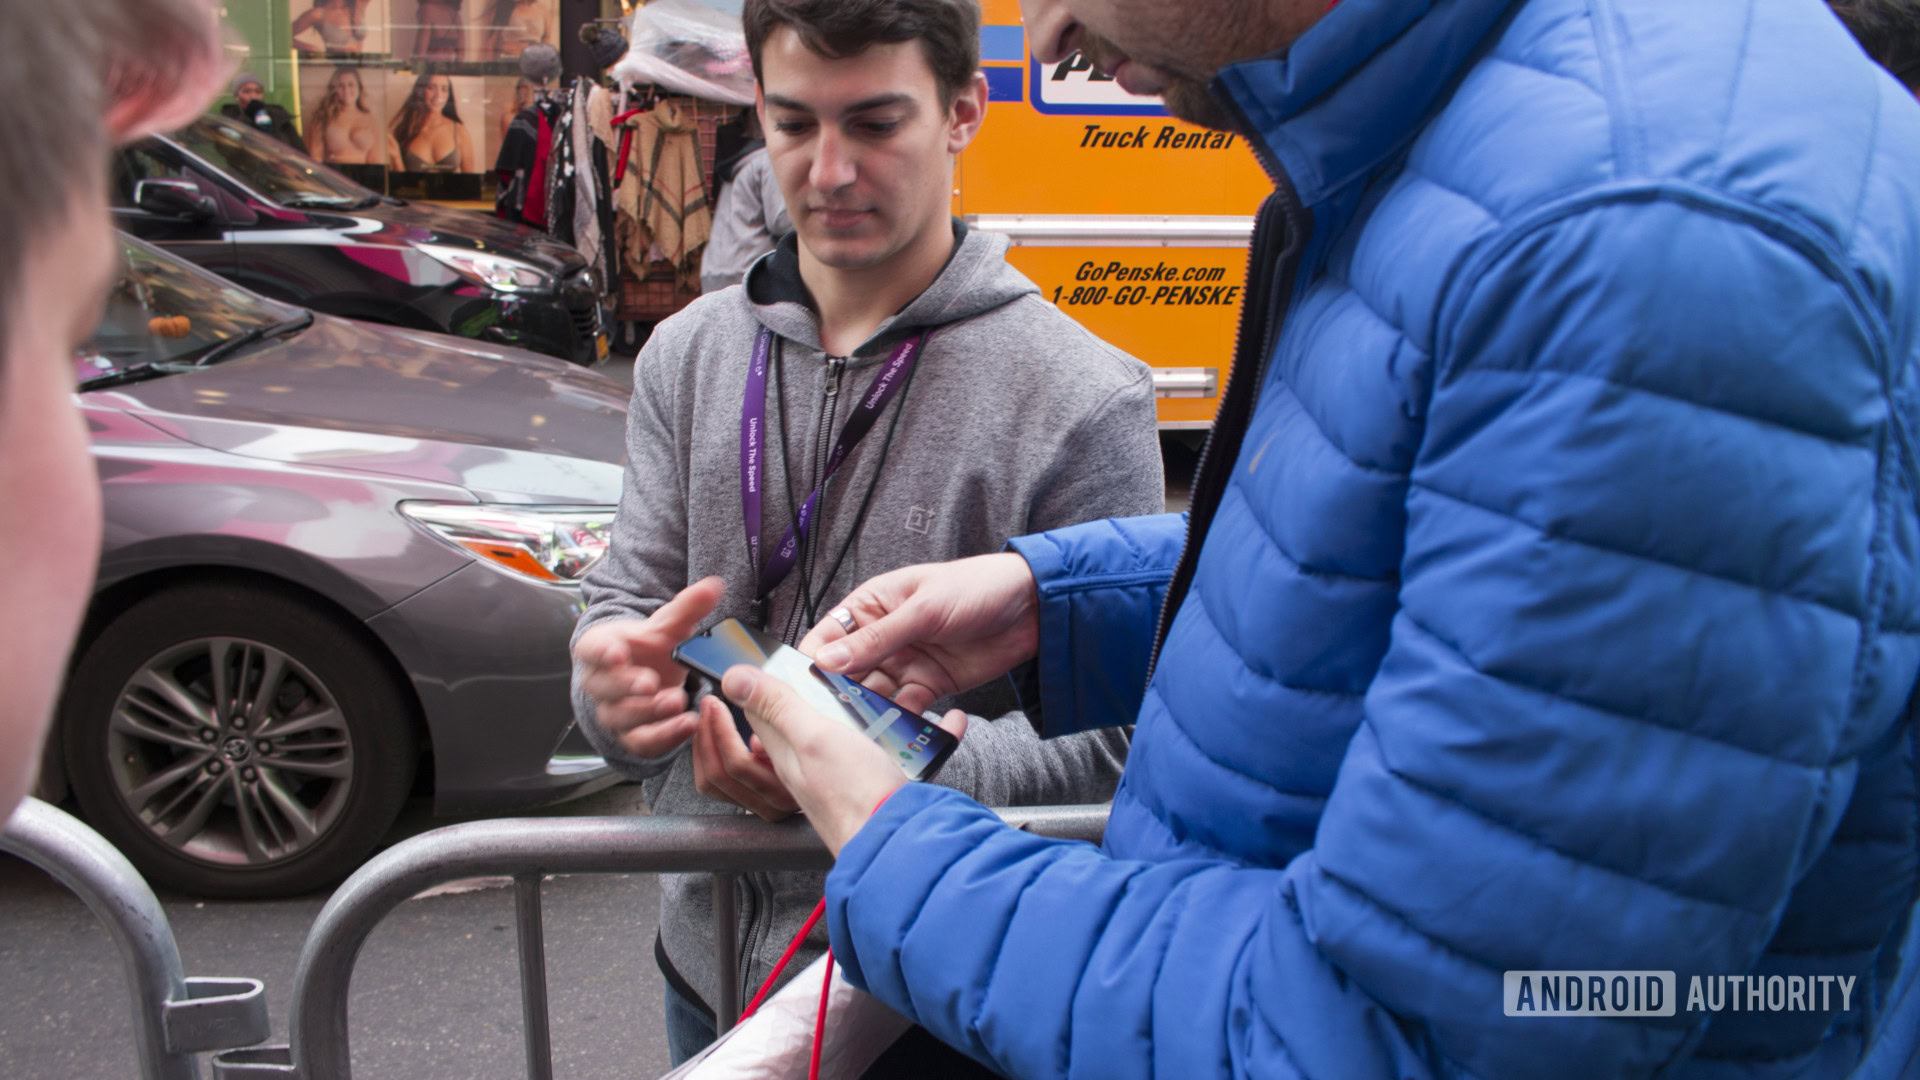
<point>725,769</point>
<point>627,669</point>
<point>924,632</point>
<point>836,774</point>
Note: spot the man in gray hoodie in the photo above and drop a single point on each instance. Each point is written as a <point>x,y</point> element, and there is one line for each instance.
<point>986,414</point>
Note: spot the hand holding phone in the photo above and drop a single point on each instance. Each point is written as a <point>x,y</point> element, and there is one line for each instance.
<point>916,743</point>
<point>627,669</point>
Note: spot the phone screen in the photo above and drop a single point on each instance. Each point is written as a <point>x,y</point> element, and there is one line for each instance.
<point>916,744</point>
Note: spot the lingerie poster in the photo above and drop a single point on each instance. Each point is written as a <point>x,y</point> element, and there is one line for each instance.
<point>472,36</point>
<point>346,29</point>
<point>437,135</point>
<point>344,118</point>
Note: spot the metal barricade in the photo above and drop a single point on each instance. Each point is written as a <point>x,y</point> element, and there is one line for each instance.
<point>526,850</point>
<point>174,1016</point>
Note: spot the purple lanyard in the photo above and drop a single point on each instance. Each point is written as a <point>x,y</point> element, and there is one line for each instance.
<point>753,425</point>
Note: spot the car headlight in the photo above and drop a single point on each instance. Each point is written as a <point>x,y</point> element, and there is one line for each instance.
<point>496,272</point>
<point>556,545</point>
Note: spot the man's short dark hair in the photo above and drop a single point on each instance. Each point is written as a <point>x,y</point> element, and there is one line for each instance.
<point>1890,32</point>
<point>66,66</point>
<point>948,32</point>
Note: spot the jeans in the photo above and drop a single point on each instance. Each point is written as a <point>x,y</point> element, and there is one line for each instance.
<point>690,1029</point>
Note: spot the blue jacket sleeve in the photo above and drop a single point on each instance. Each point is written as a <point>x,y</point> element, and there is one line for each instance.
<point>1638,658</point>
<point>1100,585</point>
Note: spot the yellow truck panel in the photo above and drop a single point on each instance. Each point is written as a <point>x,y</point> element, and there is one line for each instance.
<point>1133,222</point>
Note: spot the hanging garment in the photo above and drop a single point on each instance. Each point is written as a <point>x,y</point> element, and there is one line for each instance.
<point>600,106</point>
<point>514,162</point>
<point>667,200</point>
<point>586,191</point>
<point>524,158</point>
<point>535,213</point>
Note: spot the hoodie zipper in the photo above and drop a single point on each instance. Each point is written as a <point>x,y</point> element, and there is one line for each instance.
<point>755,907</point>
<point>1273,262</point>
<point>822,446</point>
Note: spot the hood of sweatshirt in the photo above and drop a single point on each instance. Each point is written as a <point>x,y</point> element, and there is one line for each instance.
<point>977,279</point>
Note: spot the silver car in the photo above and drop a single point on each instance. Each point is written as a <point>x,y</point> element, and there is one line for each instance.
<point>341,564</point>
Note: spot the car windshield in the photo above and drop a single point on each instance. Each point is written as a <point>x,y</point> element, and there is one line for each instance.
<point>165,311</point>
<point>268,167</point>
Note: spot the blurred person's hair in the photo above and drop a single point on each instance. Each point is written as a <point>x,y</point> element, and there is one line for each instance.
<point>1890,32</point>
<point>948,32</point>
<point>80,76</point>
<point>413,115</point>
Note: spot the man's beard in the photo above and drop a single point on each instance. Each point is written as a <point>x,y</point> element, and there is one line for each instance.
<point>1194,103</point>
<point>1186,97</point>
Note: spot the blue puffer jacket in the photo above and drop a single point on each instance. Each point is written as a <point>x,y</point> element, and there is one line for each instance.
<point>1559,600</point>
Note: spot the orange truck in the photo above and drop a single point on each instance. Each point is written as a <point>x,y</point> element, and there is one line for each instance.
<point>1134,223</point>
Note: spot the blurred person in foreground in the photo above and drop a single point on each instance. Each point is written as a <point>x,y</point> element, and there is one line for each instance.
<point>987,412</point>
<point>1890,32</point>
<point>1550,598</point>
<point>101,73</point>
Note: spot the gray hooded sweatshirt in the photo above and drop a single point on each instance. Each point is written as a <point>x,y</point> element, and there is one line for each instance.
<point>1016,420</point>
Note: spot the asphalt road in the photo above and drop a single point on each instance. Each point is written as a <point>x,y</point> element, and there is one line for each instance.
<point>436,990</point>
<point>435,993</point>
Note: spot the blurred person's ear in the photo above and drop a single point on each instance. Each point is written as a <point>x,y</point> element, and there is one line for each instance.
<point>166,63</point>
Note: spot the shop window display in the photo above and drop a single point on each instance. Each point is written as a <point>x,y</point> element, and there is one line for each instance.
<point>408,97</point>
<point>338,27</point>
<point>415,98</point>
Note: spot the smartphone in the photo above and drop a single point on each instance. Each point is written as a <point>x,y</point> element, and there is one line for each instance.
<point>918,744</point>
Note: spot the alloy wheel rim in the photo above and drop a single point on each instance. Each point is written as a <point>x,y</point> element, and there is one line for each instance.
<point>230,752</point>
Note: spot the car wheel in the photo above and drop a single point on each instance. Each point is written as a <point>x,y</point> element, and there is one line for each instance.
<point>234,740</point>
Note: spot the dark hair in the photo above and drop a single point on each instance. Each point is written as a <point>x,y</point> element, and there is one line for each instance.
<point>413,115</point>
<point>948,32</point>
<point>88,67</point>
<point>1890,32</point>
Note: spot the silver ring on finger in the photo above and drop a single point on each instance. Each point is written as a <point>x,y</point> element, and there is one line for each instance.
<point>844,618</point>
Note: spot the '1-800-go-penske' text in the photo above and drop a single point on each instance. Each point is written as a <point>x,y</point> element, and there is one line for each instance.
<point>1158,285</point>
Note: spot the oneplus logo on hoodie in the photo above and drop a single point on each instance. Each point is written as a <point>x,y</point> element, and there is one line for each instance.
<point>919,520</point>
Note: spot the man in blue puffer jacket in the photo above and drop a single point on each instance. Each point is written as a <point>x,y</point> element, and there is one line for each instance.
<point>1550,598</point>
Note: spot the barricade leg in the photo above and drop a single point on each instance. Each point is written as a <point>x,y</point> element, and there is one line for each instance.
<point>533,975</point>
<point>174,1017</point>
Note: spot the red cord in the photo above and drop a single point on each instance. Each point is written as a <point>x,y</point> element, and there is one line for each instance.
<point>793,947</point>
<point>826,984</point>
<point>820,1019</point>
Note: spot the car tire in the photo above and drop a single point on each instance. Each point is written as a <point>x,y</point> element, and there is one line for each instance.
<point>278,778</point>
